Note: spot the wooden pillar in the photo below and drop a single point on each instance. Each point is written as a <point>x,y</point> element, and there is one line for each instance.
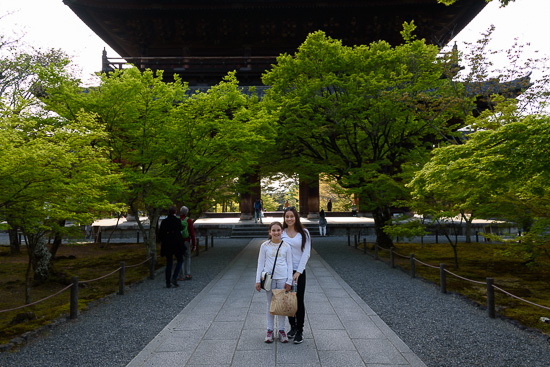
<point>302,197</point>
<point>309,197</point>
<point>252,190</point>
<point>313,200</point>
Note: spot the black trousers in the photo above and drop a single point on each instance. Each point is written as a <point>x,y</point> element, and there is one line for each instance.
<point>168,270</point>
<point>297,322</point>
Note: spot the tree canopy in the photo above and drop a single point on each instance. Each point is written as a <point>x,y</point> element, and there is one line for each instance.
<point>363,115</point>
<point>170,145</point>
<point>501,173</point>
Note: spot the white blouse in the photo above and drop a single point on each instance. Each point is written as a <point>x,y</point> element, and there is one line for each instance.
<point>283,268</point>
<point>299,257</point>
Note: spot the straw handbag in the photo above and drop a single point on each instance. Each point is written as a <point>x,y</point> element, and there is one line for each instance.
<point>283,303</point>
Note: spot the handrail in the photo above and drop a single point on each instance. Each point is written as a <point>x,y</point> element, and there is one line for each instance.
<point>34,303</point>
<point>102,277</point>
<point>69,286</point>
<point>469,280</point>
<point>521,299</point>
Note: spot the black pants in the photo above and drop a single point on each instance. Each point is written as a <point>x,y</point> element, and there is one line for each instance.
<point>168,271</point>
<point>297,322</point>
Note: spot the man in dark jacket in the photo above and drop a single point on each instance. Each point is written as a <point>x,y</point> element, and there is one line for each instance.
<point>171,244</point>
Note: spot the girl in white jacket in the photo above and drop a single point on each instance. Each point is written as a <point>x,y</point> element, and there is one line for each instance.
<point>281,277</point>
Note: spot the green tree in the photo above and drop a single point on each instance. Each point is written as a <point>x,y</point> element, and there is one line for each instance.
<point>19,70</point>
<point>502,173</point>
<point>171,146</point>
<point>50,172</point>
<point>361,114</point>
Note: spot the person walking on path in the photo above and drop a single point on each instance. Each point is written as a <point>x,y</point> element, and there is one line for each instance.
<point>171,244</point>
<point>300,242</point>
<point>275,257</point>
<point>322,223</point>
<point>188,234</point>
<point>258,211</point>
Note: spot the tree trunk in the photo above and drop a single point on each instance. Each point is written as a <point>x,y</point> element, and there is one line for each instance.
<point>15,244</point>
<point>455,251</point>
<point>58,238</point>
<point>468,226</point>
<point>149,236</point>
<point>114,229</point>
<point>28,281</point>
<point>381,217</point>
<point>152,245</point>
<point>40,257</point>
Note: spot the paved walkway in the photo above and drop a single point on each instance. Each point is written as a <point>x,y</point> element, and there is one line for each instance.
<point>226,323</point>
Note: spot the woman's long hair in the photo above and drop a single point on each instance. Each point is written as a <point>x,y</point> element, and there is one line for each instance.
<point>297,225</point>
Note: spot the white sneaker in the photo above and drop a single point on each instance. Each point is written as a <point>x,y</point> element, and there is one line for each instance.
<point>282,336</point>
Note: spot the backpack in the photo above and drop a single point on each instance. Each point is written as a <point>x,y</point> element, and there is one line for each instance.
<point>185,231</point>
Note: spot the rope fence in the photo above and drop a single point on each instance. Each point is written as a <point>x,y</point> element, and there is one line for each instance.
<point>489,283</point>
<point>73,307</point>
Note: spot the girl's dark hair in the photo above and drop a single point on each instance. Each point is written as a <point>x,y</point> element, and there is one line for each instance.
<point>172,210</point>
<point>297,225</point>
<point>273,224</point>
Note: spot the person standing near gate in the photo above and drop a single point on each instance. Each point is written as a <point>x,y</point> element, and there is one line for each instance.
<point>258,211</point>
<point>329,205</point>
<point>171,244</point>
<point>322,223</point>
<point>188,234</point>
<point>299,240</point>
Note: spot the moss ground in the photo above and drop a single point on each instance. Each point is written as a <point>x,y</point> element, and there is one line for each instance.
<point>478,261</point>
<point>87,262</point>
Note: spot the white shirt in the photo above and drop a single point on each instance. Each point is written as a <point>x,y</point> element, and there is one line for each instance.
<point>283,268</point>
<point>299,257</point>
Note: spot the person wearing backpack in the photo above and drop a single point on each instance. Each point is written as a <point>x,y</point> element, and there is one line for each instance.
<point>258,211</point>
<point>188,234</point>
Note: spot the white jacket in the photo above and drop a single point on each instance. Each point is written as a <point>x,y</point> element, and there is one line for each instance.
<point>283,268</point>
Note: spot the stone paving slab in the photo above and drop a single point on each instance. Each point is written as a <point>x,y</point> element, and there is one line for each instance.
<point>226,323</point>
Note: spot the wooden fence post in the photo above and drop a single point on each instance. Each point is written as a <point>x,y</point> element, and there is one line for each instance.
<point>73,307</point>
<point>121,274</point>
<point>376,251</point>
<point>137,241</point>
<point>412,267</point>
<point>365,245</point>
<point>348,236</point>
<point>392,260</point>
<point>490,298</point>
<point>443,278</point>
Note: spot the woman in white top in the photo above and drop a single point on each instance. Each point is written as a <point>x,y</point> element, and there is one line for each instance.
<point>281,277</point>
<point>297,236</point>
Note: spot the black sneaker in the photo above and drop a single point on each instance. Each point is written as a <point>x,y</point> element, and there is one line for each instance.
<point>298,338</point>
<point>291,333</point>
<point>175,283</point>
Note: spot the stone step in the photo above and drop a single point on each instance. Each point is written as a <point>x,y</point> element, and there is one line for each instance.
<point>260,230</point>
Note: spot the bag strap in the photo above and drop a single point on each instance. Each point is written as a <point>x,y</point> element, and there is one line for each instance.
<point>276,255</point>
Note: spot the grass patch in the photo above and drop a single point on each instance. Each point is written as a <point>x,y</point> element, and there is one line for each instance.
<point>87,262</point>
<point>478,261</point>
